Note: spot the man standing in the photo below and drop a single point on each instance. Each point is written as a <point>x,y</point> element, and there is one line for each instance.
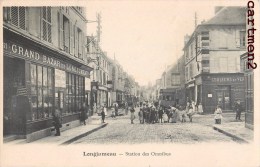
<point>57,121</point>
<point>238,108</point>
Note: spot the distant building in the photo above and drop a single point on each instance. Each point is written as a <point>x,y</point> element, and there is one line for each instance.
<point>172,90</point>
<point>100,76</point>
<point>212,60</point>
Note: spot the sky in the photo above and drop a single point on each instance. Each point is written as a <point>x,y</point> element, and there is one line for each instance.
<point>147,36</point>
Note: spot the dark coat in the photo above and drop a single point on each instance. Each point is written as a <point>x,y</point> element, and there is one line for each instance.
<point>238,107</point>
<point>83,114</point>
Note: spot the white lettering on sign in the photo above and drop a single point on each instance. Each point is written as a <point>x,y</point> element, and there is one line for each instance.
<point>229,79</point>
<point>41,58</point>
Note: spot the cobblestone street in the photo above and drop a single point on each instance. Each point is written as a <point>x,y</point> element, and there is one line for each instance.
<point>120,130</point>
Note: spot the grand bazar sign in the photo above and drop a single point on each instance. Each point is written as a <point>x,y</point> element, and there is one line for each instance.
<point>32,55</point>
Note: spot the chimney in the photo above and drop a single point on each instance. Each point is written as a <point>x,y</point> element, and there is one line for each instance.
<point>217,9</point>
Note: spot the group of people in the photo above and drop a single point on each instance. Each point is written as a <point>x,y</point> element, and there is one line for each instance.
<point>151,113</point>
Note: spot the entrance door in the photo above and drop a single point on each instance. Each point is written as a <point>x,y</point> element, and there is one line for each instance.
<point>14,78</point>
<point>223,97</point>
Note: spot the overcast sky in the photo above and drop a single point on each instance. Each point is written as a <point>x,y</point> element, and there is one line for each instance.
<point>145,36</point>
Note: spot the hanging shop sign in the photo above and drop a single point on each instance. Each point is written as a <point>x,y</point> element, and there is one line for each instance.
<point>19,51</point>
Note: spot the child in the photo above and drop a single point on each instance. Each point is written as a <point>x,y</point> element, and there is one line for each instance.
<point>165,117</point>
<point>218,115</point>
<point>113,115</point>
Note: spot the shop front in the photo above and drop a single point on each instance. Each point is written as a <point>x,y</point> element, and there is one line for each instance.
<point>38,80</point>
<point>222,90</point>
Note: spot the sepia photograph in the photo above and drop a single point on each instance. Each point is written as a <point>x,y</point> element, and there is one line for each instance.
<point>130,83</point>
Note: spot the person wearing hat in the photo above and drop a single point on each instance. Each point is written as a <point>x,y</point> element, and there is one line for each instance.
<point>57,121</point>
<point>238,109</point>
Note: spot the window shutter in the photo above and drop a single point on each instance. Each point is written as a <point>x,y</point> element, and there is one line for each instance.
<point>71,39</point>
<point>60,16</point>
<point>76,41</point>
<point>237,38</point>
<point>83,45</point>
<point>14,16</point>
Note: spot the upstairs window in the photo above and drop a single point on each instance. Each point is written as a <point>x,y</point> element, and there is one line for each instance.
<point>204,35</point>
<point>242,38</point>
<point>175,80</point>
<point>79,39</point>
<point>46,24</point>
<point>66,34</point>
<point>18,17</point>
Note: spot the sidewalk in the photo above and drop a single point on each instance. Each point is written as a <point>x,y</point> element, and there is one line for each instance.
<point>71,135</point>
<point>236,130</point>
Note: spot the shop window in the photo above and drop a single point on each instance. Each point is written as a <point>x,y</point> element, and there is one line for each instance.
<point>17,16</point>
<point>46,24</point>
<point>75,92</point>
<point>41,91</point>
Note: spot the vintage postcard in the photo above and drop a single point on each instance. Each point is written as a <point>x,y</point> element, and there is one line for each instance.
<point>130,83</point>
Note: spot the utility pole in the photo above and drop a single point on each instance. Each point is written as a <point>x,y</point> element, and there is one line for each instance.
<point>98,27</point>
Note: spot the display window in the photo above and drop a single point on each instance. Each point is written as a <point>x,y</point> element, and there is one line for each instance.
<point>42,100</point>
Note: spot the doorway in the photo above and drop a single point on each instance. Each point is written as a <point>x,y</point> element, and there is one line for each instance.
<point>223,97</point>
<point>14,79</point>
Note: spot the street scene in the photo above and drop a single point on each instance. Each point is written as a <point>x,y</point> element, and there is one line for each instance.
<point>78,75</point>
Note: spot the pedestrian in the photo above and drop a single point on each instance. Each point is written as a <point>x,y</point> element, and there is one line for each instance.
<point>126,108</point>
<point>105,109</point>
<point>132,117</point>
<point>218,115</point>
<point>174,115</point>
<point>165,117</point>
<point>113,114</point>
<point>103,115</point>
<point>116,109</point>
<point>57,121</point>
<point>200,108</point>
<point>83,111</point>
<point>238,109</point>
<point>190,110</point>
<point>141,116</point>
<point>160,114</point>
<point>168,114</point>
<point>152,117</point>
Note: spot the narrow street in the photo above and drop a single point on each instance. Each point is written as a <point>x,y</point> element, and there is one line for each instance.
<point>120,130</point>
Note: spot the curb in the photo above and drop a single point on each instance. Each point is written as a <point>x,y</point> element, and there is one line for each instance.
<point>230,135</point>
<point>83,135</point>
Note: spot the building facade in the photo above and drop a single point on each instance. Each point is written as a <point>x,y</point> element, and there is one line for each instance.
<point>212,60</point>
<point>100,76</point>
<point>172,90</point>
<point>45,67</point>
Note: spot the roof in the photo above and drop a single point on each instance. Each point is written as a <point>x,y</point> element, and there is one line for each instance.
<point>231,15</point>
